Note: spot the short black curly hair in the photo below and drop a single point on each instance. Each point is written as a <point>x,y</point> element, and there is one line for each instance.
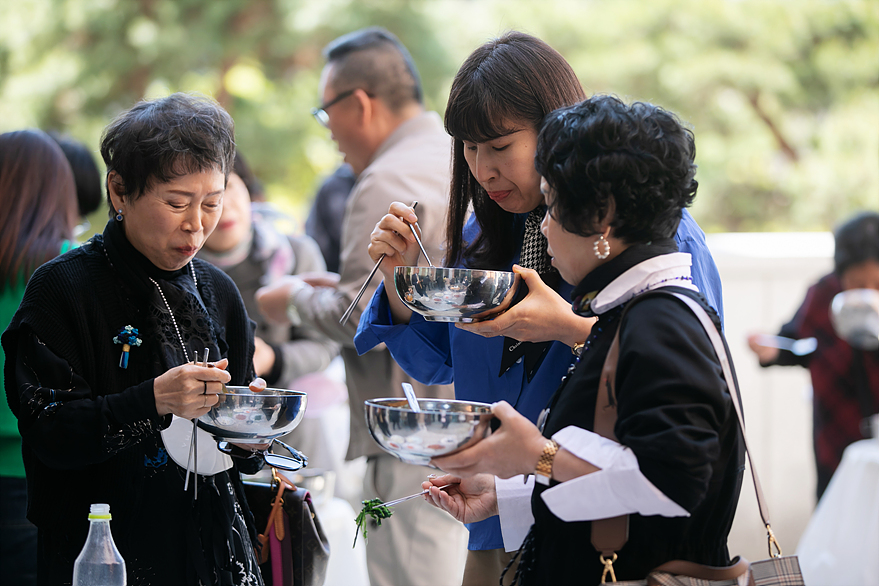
<point>636,160</point>
<point>158,140</point>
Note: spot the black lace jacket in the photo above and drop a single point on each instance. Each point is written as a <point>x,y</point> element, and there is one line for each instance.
<point>90,428</point>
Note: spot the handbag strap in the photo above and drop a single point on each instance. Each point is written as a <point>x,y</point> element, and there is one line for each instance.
<point>605,532</point>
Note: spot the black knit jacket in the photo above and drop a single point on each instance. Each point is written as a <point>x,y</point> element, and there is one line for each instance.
<point>93,449</point>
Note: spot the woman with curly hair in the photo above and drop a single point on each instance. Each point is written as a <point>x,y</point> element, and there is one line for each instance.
<point>615,179</point>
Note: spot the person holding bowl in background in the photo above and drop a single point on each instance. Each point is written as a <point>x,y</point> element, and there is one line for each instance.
<point>616,178</point>
<point>103,352</point>
<point>498,100</point>
<point>845,379</point>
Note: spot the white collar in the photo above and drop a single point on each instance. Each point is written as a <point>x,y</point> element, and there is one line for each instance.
<point>660,271</point>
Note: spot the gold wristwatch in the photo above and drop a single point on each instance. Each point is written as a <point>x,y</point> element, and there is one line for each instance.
<point>543,472</point>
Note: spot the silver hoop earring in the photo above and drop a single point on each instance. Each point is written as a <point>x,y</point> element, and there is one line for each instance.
<point>119,215</point>
<point>605,244</point>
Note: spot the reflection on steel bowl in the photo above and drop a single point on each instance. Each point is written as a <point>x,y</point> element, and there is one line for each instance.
<point>440,428</point>
<point>456,295</point>
<point>855,317</point>
<point>242,416</point>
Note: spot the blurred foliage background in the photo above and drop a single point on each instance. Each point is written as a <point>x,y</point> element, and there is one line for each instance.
<point>783,95</point>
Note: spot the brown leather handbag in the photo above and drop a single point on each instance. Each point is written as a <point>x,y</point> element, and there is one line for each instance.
<point>609,535</point>
<point>293,548</point>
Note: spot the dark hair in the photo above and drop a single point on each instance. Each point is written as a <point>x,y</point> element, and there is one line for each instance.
<point>602,155</point>
<point>514,78</point>
<point>38,198</point>
<point>857,241</point>
<point>158,140</point>
<point>85,172</point>
<point>253,185</point>
<point>374,60</point>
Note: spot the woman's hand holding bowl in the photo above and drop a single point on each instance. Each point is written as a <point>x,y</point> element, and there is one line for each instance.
<point>543,315</point>
<point>190,390</point>
<point>513,449</point>
<point>468,500</point>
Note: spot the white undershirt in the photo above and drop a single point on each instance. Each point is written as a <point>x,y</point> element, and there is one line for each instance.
<point>618,488</point>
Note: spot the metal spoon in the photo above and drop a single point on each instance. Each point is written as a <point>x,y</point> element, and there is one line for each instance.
<point>410,497</point>
<point>410,396</point>
<point>796,347</point>
<point>344,319</point>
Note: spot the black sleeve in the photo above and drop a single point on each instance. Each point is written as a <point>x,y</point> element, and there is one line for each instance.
<point>672,398</point>
<point>60,419</point>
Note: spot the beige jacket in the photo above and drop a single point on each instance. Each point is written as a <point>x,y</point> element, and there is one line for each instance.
<point>413,164</point>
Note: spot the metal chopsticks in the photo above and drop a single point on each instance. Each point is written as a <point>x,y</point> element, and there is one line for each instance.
<point>347,314</point>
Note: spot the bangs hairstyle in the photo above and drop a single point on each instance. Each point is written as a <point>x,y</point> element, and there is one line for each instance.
<point>636,160</point>
<point>159,140</point>
<point>513,79</point>
<point>38,198</point>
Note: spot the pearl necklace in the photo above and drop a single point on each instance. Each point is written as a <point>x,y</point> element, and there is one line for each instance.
<point>171,313</point>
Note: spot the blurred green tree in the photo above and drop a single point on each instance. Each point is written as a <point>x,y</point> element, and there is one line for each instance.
<point>783,96</point>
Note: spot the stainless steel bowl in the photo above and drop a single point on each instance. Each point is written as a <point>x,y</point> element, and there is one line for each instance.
<point>440,428</point>
<point>855,317</point>
<point>455,295</point>
<point>244,417</point>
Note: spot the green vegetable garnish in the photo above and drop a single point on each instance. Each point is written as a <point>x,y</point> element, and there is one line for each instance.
<point>375,509</point>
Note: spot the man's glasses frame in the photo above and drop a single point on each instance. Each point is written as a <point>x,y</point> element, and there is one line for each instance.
<point>320,113</point>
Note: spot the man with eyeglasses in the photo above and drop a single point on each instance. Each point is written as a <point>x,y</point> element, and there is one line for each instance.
<point>371,101</point>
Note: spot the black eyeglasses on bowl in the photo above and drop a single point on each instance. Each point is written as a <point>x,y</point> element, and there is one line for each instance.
<point>299,460</point>
<point>320,113</point>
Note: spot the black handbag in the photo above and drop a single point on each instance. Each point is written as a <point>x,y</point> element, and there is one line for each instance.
<point>293,548</point>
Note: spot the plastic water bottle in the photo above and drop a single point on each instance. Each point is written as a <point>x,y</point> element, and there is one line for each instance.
<point>99,562</point>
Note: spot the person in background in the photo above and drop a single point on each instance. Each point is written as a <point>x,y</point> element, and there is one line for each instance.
<point>249,249</point>
<point>615,178</point>
<point>372,104</point>
<point>38,196</point>
<point>845,380</point>
<point>254,254</point>
<point>104,363</point>
<point>498,100</point>
<point>324,222</point>
<point>85,173</point>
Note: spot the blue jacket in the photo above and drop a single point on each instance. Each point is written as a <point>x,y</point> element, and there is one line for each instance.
<point>439,353</point>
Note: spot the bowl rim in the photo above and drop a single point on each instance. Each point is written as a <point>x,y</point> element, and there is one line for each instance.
<point>375,403</point>
<point>401,268</point>
<point>267,392</point>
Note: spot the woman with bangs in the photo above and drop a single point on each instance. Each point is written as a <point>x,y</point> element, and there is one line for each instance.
<point>498,101</point>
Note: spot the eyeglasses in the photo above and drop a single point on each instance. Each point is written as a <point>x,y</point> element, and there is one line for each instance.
<point>320,113</point>
<point>299,460</point>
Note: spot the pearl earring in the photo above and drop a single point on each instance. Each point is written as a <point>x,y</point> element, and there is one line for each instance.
<point>605,244</point>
